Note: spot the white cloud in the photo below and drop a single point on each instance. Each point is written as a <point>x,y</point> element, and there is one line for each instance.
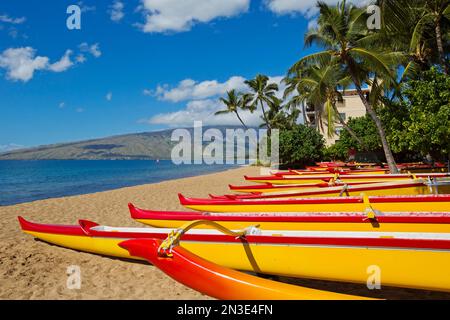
<point>10,147</point>
<point>62,105</point>
<point>7,19</point>
<point>308,8</point>
<point>203,110</point>
<point>189,89</point>
<point>203,102</point>
<point>147,92</point>
<point>305,7</point>
<point>116,11</point>
<point>178,16</point>
<point>80,58</point>
<point>63,64</point>
<point>79,110</point>
<point>21,63</point>
<point>312,24</point>
<point>84,7</point>
<point>93,49</point>
<point>108,96</point>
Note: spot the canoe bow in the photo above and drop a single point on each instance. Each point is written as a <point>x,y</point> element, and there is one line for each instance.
<point>220,282</point>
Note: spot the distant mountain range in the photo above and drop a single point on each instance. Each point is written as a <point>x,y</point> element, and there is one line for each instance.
<point>138,146</point>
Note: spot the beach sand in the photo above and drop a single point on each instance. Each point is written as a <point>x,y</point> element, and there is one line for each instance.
<point>31,269</point>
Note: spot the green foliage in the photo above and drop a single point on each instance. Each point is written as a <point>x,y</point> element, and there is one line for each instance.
<point>365,129</point>
<point>335,152</point>
<point>421,123</point>
<point>301,146</point>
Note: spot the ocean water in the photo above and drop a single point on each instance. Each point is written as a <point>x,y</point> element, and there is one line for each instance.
<point>24,181</point>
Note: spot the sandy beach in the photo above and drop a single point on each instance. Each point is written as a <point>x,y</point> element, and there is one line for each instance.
<point>31,269</point>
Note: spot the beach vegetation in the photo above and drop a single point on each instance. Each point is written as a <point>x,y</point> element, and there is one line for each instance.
<point>420,122</point>
<point>300,146</point>
<point>404,63</point>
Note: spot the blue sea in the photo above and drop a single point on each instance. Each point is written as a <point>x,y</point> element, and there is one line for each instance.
<point>24,181</point>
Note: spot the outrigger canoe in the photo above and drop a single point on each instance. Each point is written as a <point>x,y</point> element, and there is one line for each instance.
<point>220,282</point>
<point>322,221</point>
<point>331,171</point>
<point>425,203</point>
<point>416,187</point>
<point>317,178</point>
<point>269,187</point>
<point>414,260</point>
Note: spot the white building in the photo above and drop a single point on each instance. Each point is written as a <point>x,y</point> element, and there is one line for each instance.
<point>351,107</point>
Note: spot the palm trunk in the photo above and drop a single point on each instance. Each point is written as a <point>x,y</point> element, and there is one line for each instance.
<point>269,129</point>
<point>305,121</point>
<point>239,117</point>
<point>441,47</point>
<point>387,150</point>
<point>349,130</point>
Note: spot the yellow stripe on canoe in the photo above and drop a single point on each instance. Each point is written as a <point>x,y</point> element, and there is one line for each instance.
<point>421,269</point>
<point>313,226</point>
<point>246,206</point>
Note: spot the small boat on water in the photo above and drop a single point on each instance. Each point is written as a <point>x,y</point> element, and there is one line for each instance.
<point>408,187</point>
<point>406,259</point>
<point>312,221</point>
<point>317,178</point>
<point>219,282</point>
<point>422,203</point>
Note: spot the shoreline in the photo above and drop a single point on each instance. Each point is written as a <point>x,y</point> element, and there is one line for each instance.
<point>118,179</point>
<point>31,269</point>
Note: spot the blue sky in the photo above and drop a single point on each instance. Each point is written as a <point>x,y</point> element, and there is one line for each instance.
<point>135,65</point>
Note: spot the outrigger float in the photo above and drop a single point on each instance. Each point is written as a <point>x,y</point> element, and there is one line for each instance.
<point>217,281</point>
<point>413,260</point>
<point>318,178</point>
<point>367,221</point>
<point>269,187</point>
<point>422,203</point>
<point>331,171</point>
<point>415,187</point>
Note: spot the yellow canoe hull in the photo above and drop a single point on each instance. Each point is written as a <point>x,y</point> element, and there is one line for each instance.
<point>313,179</point>
<point>422,190</point>
<point>103,246</point>
<point>420,269</point>
<point>247,206</point>
<point>312,226</point>
<point>380,192</point>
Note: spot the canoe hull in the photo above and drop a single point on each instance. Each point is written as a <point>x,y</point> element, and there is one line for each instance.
<point>411,269</point>
<point>363,226</point>
<point>375,189</point>
<point>389,222</point>
<point>97,245</point>
<point>220,282</point>
<point>431,203</point>
<point>343,178</point>
<point>402,263</point>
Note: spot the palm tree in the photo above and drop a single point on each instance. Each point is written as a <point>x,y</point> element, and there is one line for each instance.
<point>400,18</point>
<point>319,86</point>
<point>296,100</point>
<point>342,31</point>
<point>434,14</point>
<point>262,93</point>
<point>416,27</point>
<point>234,101</point>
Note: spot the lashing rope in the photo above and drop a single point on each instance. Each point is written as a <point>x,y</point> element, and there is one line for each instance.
<point>173,238</point>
